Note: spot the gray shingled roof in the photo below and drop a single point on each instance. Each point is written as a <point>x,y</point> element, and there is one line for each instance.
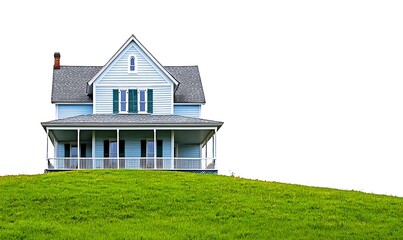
<point>131,120</point>
<point>70,82</point>
<point>190,88</point>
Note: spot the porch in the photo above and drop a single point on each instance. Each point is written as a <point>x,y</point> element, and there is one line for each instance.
<point>185,164</point>
<point>189,145</point>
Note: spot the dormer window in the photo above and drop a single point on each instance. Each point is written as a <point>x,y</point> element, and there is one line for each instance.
<point>132,64</point>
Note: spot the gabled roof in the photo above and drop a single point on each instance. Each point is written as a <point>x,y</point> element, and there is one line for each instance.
<point>131,120</point>
<point>131,39</point>
<point>69,84</point>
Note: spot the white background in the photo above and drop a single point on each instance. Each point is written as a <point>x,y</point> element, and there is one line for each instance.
<point>310,91</point>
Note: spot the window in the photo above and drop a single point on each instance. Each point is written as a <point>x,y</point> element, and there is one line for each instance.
<point>142,101</point>
<point>111,154</point>
<point>147,153</point>
<point>123,101</point>
<point>132,64</point>
<point>132,101</point>
<point>71,155</point>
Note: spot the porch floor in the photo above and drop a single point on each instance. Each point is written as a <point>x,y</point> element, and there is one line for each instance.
<point>201,171</point>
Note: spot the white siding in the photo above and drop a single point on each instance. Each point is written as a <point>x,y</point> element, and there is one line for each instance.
<point>148,76</point>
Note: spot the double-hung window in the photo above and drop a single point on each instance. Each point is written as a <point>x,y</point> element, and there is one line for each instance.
<point>123,101</point>
<point>132,101</point>
<point>142,101</point>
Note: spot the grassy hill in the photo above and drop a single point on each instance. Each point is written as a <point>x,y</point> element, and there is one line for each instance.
<point>172,205</point>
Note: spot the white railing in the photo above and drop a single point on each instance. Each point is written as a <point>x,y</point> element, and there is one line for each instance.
<point>167,163</point>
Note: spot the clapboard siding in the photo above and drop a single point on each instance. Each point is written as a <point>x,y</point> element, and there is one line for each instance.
<point>70,110</point>
<point>189,151</point>
<point>162,99</point>
<point>148,76</point>
<point>187,110</point>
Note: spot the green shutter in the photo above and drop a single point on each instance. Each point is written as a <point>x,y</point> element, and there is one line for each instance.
<point>143,148</point>
<point>83,150</point>
<point>149,100</point>
<point>132,100</point>
<point>121,148</point>
<point>115,101</point>
<point>106,148</point>
<point>67,150</point>
<point>159,148</point>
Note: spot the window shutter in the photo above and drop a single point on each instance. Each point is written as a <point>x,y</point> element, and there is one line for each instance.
<point>106,148</point>
<point>159,148</point>
<point>121,148</point>
<point>149,100</point>
<point>66,150</point>
<point>132,100</point>
<point>115,101</point>
<point>83,150</point>
<point>143,148</point>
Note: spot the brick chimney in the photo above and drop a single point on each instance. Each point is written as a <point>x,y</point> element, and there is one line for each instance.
<point>57,61</point>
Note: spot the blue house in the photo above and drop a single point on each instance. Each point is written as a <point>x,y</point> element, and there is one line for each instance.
<point>131,113</point>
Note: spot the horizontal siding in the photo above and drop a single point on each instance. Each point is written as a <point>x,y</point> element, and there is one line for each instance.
<point>187,110</point>
<point>162,99</point>
<point>70,110</point>
<point>148,76</point>
<point>147,70</point>
<point>189,151</point>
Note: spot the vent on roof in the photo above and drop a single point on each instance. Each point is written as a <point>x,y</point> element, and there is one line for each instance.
<point>57,61</point>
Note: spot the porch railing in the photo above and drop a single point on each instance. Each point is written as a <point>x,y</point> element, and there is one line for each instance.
<point>65,163</point>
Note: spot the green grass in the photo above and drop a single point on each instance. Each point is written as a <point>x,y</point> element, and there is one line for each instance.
<point>172,205</point>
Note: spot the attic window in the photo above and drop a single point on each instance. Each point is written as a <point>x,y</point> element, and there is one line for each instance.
<point>132,64</point>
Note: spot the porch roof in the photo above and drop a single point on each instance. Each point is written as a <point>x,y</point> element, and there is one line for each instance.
<point>131,120</point>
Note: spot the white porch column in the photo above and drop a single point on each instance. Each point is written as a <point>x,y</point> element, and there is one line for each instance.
<point>215,146</point>
<point>78,148</point>
<point>47,148</point>
<point>93,149</point>
<point>206,151</point>
<point>155,148</point>
<point>172,149</point>
<point>117,146</point>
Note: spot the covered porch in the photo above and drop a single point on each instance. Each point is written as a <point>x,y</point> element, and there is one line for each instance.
<point>168,145</point>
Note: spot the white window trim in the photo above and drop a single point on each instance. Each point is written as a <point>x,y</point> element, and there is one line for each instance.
<point>146,101</point>
<point>127,100</point>
<point>135,63</point>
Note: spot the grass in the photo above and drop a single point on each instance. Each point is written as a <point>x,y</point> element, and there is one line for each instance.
<point>172,205</point>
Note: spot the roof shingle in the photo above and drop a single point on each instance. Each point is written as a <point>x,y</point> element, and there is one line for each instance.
<point>70,82</point>
<point>131,120</point>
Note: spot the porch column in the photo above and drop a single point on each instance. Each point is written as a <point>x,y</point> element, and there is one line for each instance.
<point>78,148</point>
<point>155,148</point>
<point>172,149</point>
<point>215,146</point>
<point>93,149</point>
<point>117,146</point>
<point>47,147</point>
<point>206,151</point>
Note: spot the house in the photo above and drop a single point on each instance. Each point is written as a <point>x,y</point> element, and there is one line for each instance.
<point>131,113</point>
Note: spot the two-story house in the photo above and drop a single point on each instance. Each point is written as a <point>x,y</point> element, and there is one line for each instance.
<point>131,113</point>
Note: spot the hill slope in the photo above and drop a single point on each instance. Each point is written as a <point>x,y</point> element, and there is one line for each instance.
<point>172,205</point>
